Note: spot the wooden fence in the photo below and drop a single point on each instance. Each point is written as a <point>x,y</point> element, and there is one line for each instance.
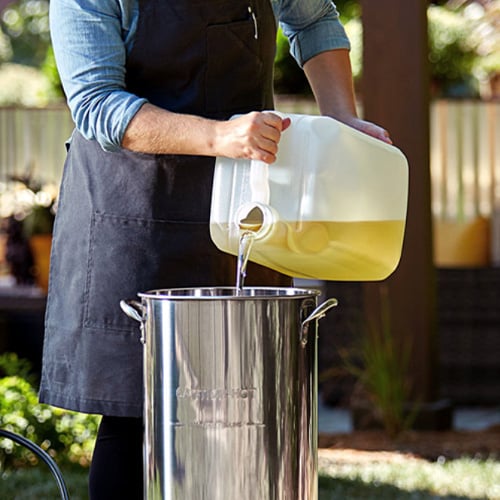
<point>465,177</point>
<point>32,142</point>
<point>465,153</point>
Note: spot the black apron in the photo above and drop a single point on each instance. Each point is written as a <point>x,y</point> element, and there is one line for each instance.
<point>130,222</point>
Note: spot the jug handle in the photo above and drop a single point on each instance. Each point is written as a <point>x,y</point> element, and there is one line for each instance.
<point>317,314</point>
<point>135,310</point>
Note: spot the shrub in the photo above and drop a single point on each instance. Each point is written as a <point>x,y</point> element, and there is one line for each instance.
<point>381,367</point>
<point>288,76</point>
<point>452,51</point>
<point>26,24</point>
<point>67,436</point>
<point>25,86</point>
<point>5,48</point>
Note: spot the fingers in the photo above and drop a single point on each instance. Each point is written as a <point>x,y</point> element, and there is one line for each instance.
<point>381,133</point>
<point>277,126</point>
<point>372,129</point>
<point>256,135</point>
<point>285,123</point>
<point>386,137</point>
<point>377,132</point>
<point>268,136</point>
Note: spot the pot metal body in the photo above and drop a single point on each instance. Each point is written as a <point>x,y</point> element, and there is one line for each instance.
<point>230,392</point>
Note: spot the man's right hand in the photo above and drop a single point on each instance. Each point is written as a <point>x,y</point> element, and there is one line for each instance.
<point>253,136</point>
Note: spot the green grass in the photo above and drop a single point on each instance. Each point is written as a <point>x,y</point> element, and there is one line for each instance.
<point>37,483</point>
<point>404,479</point>
<point>410,478</point>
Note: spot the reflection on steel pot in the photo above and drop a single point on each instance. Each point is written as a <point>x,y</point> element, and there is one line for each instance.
<point>230,392</point>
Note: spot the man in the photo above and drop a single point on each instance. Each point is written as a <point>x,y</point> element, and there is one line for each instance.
<point>151,85</point>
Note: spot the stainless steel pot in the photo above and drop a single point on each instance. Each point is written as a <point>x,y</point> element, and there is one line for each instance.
<point>230,392</point>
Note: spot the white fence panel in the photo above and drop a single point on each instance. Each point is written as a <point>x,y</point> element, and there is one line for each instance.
<point>32,142</point>
<point>465,166</point>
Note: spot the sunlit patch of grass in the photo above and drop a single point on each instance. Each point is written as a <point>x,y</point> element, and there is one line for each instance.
<point>407,477</point>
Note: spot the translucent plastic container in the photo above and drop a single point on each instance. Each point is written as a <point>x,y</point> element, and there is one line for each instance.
<point>332,206</point>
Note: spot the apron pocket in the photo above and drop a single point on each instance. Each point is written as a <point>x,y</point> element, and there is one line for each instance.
<point>234,71</point>
<point>132,255</point>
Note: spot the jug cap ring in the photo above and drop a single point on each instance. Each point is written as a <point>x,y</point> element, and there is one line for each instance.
<point>255,217</point>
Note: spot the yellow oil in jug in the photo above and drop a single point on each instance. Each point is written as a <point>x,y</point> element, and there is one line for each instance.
<point>337,251</point>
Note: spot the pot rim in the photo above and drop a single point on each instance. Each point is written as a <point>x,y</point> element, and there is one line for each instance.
<point>229,293</point>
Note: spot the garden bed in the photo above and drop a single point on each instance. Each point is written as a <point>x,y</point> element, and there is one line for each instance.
<point>429,445</point>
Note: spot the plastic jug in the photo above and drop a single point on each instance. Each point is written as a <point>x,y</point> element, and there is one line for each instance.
<point>332,206</point>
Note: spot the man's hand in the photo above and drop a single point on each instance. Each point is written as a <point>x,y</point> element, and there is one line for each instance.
<point>330,76</point>
<point>369,128</point>
<point>254,136</point>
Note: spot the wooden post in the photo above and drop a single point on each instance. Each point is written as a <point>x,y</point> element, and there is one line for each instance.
<point>395,94</point>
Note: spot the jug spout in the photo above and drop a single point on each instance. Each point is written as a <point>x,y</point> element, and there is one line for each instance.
<point>256,217</point>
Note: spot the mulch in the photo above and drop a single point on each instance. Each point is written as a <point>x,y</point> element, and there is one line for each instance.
<point>429,445</point>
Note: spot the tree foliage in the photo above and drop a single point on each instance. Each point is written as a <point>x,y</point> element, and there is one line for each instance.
<point>24,25</point>
<point>464,46</point>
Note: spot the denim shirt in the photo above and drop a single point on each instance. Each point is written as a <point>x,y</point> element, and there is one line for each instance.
<point>91,40</point>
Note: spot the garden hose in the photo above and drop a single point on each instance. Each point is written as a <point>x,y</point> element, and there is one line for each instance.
<point>41,454</point>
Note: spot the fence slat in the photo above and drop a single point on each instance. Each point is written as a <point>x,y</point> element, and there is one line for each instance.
<point>32,142</point>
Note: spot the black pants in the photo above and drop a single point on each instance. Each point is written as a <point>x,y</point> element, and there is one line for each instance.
<point>116,471</point>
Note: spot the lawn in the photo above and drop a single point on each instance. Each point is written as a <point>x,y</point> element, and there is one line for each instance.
<point>343,476</point>
<point>37,483</point>
<point>353,475</point>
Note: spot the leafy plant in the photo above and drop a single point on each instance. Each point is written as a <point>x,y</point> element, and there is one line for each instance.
<point>452,51</point>
<point>380,365</point>
<point>49,69</point>
<point>288,77</point>
<point>24,86</point>
<point>28,211</point>
<point>348,9</point>
<point>12,365</point>
<point>31,203</point>
<point>65,435</point>
<point>26,24</point>
<point>5,48</point>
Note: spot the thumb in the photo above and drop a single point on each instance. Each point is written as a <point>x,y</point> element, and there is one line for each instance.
<point>285,123</point>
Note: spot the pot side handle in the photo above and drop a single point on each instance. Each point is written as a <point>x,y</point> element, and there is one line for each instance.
<point>133,309</point>
<point>317,314</point>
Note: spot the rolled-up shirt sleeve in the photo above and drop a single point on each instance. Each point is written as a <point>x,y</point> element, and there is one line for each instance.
<point>312,27</point>
<point>89,40</point>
